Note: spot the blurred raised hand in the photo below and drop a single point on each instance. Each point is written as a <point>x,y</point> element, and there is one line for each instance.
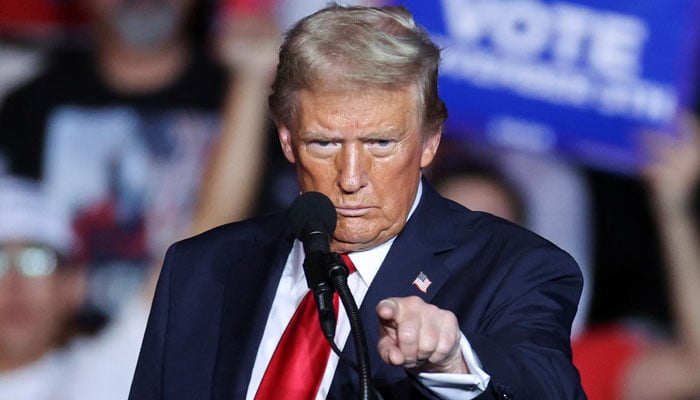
<point>247,44</point>
<point>672,175</point>
<point>674,169</point>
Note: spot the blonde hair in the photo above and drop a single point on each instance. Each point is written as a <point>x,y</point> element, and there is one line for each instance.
<point>342,46</point>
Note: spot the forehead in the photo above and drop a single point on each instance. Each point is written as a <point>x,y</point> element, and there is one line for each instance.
<point>16,245</point>
<point>355,108</point>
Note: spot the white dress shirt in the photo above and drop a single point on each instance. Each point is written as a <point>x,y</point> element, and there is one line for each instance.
<point>292,288</point>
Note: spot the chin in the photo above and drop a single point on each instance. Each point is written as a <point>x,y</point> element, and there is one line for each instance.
<point>352,233</point>
<point>348,243</point>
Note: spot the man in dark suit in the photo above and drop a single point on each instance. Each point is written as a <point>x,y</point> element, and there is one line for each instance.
<point>459,304</point>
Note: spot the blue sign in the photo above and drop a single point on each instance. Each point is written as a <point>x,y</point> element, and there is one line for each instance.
<point>577,78</point>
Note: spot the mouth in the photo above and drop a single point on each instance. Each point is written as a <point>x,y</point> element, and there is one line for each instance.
<point>352,211</point>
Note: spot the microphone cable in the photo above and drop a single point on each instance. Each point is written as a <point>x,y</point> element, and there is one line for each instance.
<point>338,274</point>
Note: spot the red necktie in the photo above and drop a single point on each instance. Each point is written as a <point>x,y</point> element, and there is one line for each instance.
<point>297,365</point>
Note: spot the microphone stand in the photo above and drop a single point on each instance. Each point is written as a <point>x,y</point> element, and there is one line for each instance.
<point>338,274</point>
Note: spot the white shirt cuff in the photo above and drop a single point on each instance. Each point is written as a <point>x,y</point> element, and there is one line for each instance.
<point>458,386</point>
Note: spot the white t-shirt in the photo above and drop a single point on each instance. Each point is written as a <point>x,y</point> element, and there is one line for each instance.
<point>91,368</point>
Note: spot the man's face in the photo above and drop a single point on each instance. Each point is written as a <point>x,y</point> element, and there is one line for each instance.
<point>480,194</point>
<point>33,310</point>
<point>145,24</point>
<point>364,149</point>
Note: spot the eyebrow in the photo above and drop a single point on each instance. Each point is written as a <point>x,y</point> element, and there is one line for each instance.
<point>318,135</point>
<point>390,133</point>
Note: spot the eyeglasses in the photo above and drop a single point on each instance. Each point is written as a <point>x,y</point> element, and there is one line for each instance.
<point>30,261</point>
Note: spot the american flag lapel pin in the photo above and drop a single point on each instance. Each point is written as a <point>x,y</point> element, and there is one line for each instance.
<point>422,282</point>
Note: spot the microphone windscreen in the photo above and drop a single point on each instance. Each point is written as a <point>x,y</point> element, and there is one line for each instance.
<point>312,211</point>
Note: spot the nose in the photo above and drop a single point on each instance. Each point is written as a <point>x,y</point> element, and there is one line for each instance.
<point>352,168</point>
<point>13,282</point>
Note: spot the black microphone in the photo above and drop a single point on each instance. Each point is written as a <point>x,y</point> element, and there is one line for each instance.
<point>312,219</point>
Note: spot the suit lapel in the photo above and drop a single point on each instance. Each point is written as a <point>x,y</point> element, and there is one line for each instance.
<point>248,296</point>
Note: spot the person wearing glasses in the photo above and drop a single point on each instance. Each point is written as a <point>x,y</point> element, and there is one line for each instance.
<point>42,290</point>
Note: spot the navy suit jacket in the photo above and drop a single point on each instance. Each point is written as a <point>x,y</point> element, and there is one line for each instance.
<point>514,295</point>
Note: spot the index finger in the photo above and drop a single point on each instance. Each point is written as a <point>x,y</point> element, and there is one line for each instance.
<point>388,309</point>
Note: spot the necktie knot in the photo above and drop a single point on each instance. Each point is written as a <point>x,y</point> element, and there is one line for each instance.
<point>348,263</point>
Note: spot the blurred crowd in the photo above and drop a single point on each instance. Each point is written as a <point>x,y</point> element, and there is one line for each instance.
<point>126,125</point>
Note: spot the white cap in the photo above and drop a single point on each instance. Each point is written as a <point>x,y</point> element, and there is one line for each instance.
<point>26,214</point>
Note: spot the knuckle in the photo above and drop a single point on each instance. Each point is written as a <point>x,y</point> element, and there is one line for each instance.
<point>428,344</point>
<point>408,335</point>
<point>413,301</point>
<point>443,350</point>
<point>448,316</point>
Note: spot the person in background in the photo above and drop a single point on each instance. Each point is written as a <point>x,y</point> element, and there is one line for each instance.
<point>457,304</point>
<point>460,175</point>
<point>482,189</point>
<point>42,289</point>
<point>120,133</point>
<point>626,360</point>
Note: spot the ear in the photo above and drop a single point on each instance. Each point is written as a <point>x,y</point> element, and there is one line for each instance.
<point>286,142</point>
<point>430,146</point>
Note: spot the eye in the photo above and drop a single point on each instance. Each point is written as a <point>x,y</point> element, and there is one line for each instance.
<point>37,262</point>
<point>322,147</point>
<point>381,143</point>
<point>4,263</point>
<point>381,147</point>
